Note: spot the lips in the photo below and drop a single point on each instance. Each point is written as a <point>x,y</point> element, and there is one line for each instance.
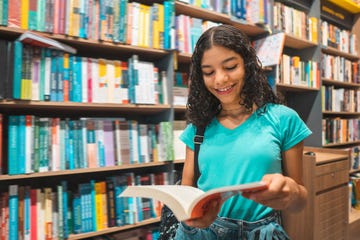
<point>225,90</point>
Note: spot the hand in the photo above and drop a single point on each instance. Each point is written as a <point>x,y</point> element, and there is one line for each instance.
<point>282,193</point>
<point>209,216</point>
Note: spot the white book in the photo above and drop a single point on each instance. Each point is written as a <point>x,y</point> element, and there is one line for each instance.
<point>84,79</point>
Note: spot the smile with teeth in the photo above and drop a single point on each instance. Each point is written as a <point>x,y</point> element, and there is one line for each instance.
<point>224,90</point>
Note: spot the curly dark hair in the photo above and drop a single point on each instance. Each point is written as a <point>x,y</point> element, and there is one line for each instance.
<point>202,106</point>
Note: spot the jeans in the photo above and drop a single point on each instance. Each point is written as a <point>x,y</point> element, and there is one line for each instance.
<point>268,228</point>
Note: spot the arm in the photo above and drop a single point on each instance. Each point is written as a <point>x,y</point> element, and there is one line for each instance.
<point>285,192</point>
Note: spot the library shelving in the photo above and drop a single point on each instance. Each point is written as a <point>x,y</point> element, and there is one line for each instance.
<point>341,17</point>
<point>304,98</point>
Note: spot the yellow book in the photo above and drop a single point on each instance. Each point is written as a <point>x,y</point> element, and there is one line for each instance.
<point>155,26</point>
<point>161,26</point>
<point>102,83</point>
<point>146,26</point>
<point>26,82</point>
<point>100,190</point>
<point>71,18</point>
<point>314,29</point>
<point>24,14</point>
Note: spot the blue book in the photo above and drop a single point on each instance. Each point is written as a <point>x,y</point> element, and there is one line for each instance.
<point>169,24</point>
<point>27,212</point>
<point>13,125</point>
<point>123,21</point>
<point>76,213</point>
<point>60,77</point>
<point>65,200</point>
<point>70,145</point>
<point>53,76</point>
<point>120,183</point>
<point>5,14</point>
<point>13,212</point>
<point>85,190</point>
<point>18,53</point>
<point>21,142</point>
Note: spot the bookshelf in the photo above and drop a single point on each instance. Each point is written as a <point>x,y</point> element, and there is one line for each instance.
<point>165,59</point>
<point>307,101</point>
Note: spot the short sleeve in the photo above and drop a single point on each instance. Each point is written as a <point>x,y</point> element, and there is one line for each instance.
<point>293,128</point>
<point>187,136</point>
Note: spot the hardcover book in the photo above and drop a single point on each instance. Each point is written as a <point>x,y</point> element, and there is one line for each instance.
<point>188,202</point>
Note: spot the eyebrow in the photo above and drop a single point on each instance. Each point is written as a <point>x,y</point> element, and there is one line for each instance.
<point>225,61</point>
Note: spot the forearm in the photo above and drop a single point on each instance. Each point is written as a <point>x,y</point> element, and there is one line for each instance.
<point>298,197</point>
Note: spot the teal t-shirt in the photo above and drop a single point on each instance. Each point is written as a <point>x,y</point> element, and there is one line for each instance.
<point>244,154</point>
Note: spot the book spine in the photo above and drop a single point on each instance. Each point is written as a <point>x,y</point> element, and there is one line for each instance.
<point>18,53</point>
<point>13,212</point>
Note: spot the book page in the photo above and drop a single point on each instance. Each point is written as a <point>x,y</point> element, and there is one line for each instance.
<point>177,197</point>
<point>202,203</point>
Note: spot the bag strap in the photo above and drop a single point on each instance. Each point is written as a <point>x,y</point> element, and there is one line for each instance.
<point>198,139</point>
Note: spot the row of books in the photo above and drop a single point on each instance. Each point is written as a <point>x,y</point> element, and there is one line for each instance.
<point>147,25</point>
<point>44,74</point>
<point>254,12</point>
<point>41,144</point>
<point>295,71</point>
<point>340,99</point>
<point>340,130</point>
<point>335,37</point>
<point>188,31</point>
<point>295,22</point>
<point>339,69</point>
<point>56,212</point>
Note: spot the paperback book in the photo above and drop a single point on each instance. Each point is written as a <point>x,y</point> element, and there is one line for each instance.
<point>188,202</point>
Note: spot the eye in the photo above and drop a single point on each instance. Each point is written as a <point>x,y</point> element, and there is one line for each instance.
<point>208,73</point>
<point>231,67</point>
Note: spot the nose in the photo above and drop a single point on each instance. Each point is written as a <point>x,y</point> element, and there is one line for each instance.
<point>221,77</point>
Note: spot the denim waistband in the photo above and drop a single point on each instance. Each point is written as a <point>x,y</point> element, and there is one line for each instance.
<point>248,225</point>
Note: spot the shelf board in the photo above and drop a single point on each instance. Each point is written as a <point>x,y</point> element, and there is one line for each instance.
<point>332,82</point>
<point>294,88</point>
<point>82,171</point>
<point>347,5</point>
<point>205,14</point>
<point>114,229</point>
<point>345,114</point>
<point>298,43</point>
<point>84,46</point>
<point>334,51</point>
<point>346,144</point>
<point>92,107</point>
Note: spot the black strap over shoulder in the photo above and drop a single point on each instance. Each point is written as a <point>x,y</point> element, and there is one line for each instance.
<point>198,139</point>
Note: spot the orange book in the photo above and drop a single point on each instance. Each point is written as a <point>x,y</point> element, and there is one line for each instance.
<point>188,202</point>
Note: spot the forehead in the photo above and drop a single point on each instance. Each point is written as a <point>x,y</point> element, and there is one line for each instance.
<point>218,54</point>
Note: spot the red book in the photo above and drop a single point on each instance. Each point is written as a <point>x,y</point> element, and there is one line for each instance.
<point>33,215</point>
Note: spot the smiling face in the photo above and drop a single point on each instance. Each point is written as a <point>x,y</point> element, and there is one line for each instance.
<point>223,73</point>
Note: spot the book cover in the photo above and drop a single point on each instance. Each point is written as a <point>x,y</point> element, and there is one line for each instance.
<point>270,48</point>
<point>36,39</point>
<point>188,202</point>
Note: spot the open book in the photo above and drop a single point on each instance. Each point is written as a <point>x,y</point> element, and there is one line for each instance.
<point>42,41</point>
<point>188,202</point>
